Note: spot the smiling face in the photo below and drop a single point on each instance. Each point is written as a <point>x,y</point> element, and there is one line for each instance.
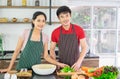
<point>65,18</point>
<point>39,22</point>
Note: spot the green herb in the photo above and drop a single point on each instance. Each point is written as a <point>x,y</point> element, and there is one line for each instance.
<point>91,70</point>
<point>67,77</point>
<point>67,69</point>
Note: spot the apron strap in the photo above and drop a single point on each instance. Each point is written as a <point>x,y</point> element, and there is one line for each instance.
<point>30,34</point>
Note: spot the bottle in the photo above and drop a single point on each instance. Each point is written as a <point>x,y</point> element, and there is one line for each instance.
<point>37,3</point>
<point>24,2</point>
<point>9,2</point>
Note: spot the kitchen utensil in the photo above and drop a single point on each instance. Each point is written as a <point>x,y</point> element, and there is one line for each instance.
<point>44,69</point>
<point>13,76</point>
<point>69,73</point>
<point>23,73</point>
<point>7,76</point>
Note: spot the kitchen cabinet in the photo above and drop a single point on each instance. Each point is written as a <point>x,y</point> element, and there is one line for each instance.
<point>5,63</point>
<point>0,64</point>
<point>88,61</point>
<point>91,62</point>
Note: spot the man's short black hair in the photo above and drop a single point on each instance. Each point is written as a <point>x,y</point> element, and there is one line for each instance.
<point>63,9</point>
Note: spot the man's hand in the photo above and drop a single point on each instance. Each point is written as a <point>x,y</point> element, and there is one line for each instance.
<point>76,66</point>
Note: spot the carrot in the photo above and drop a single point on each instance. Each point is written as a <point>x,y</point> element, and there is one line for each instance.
<point>85,69</point>
<point>89,74</point>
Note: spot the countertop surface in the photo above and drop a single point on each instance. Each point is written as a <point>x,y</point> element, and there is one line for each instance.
<point>35,76</point>
<point>52,76</point>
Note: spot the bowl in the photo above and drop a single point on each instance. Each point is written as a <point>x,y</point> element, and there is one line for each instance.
<point>26,20</point>
<point>44,69</point>
<point>14,19</point>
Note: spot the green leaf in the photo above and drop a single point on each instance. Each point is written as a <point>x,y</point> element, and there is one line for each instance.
<point>91,70</point>
<point>67,77</point>
<point>67,69</point>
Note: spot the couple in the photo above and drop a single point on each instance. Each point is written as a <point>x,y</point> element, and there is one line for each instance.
<point>34,42</point>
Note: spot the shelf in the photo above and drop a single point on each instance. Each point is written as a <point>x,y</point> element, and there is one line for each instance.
<point>50,7</point>
<point>24,22</point>
<point>55,22</point>
<point>31,7</point>
<point>14,22</point>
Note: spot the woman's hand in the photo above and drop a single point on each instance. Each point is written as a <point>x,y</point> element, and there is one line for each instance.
<point>62,65</point>
<point>4,70</point>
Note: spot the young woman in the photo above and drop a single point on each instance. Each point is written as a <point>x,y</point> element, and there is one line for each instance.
<point>33,42</point>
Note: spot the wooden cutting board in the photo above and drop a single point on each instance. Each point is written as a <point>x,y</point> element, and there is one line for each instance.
<point>21,74</point>
<point>69,73</point>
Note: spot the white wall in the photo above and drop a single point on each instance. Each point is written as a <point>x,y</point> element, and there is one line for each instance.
<point>13,31</point>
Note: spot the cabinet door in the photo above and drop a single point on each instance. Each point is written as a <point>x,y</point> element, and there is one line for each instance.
<point>7,62</point>
<point>91,62</point>
<point>2,62</point>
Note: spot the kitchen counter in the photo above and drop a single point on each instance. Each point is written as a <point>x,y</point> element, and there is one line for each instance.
<point>8,56</point>
<point>90,60</point>
<point>52,76</point>
<point>35,76</point>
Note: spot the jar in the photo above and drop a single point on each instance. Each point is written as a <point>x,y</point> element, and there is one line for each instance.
<point>24,2</point>
<point>9,2</point>
<point>37,3</point>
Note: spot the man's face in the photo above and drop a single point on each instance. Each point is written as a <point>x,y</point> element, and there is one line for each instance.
<point>64,18</point>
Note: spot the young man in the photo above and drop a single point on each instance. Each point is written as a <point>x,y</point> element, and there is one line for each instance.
<point>69,38</point>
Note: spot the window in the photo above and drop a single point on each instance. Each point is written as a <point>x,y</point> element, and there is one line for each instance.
<point>118,30</point>
<point>81,16</point>
<point>100,26</point>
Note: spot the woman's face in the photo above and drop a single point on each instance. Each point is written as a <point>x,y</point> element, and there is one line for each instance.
<point>39,22</point>
<point>65,19</point>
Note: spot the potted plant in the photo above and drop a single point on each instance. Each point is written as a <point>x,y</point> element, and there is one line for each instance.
<point>1,44</point>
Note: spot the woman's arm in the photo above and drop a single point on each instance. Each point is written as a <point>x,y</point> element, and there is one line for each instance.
<point>52,50</point>
<point>14,56</point>
<point>52,57</point>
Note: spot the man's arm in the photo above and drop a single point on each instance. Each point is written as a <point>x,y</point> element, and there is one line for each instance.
<point>83,45</point>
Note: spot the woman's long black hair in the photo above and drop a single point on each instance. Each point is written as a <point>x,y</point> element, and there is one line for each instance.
<point>37,14</point>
